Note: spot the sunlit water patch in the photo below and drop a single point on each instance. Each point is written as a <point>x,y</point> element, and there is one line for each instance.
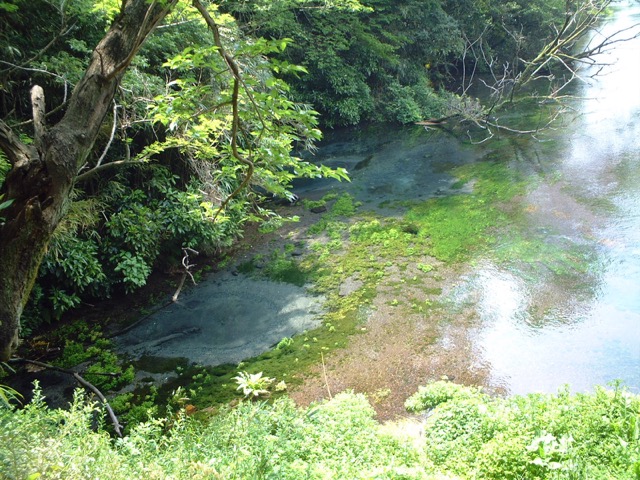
<point>578,323</point>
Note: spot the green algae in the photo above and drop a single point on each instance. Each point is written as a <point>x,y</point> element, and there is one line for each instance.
<point>454,227</point>
<point>154,364</point>
<point>373,250</point>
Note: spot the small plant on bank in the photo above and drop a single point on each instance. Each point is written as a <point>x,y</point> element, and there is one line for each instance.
<point>253,385</point>
<point>424,267</point>
<point>8,395</point>
<point>285,345</point>
<point>311,204</point>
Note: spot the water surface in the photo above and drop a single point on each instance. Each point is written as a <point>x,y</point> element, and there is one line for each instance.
<point>570,313</point>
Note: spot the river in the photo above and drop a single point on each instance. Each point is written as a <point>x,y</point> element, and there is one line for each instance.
<point>580,339</point>
<point>539,323</point>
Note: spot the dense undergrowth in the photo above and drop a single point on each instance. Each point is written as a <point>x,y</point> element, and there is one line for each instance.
<point>466,435</point>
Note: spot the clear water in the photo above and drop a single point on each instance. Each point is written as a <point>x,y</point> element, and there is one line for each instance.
<point>538,329</point>
<point>593,339</point>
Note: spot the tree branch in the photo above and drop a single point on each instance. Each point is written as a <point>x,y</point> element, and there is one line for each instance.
<point>564,50</point>
<point>113,133</point>
<point>149,22</point>
<point>112,416</point>
<point>83,177</point>
<point>38,108</point>
<point>237,79</point>
<point>187,271</point>
<point>17,152</point>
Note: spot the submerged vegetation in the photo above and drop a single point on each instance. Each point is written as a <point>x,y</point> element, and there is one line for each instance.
<point>353,252</point>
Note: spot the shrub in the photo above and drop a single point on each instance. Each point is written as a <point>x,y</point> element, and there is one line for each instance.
<point>468,436</point>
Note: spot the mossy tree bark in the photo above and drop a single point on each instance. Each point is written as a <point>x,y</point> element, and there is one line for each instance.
<point>43,173</point>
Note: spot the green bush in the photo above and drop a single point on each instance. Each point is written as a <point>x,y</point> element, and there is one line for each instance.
<point>437,393</point>
<point>339,439</point>
<point>560,436</point>
<point>468,435</point>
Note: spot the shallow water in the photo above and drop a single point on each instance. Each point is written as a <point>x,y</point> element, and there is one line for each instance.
<point>573,315</point>
<point>224,320</point>
<point>581,338</point>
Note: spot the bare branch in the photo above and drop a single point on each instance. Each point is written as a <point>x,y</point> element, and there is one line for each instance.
<point>175,24</point>
<point>64,30</point>
<point>187,271</point>
<point>113,132</point>
<point>65,84</point>
<point>83,177</point>
<point>38,108</point>
<point>39,70</point>
<point>566,50</point>
<point>112,416</point>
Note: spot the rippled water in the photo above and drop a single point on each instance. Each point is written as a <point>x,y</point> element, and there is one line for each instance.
<point>572,317</point>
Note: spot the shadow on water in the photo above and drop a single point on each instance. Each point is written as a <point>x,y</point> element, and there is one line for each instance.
<point>390,164</point>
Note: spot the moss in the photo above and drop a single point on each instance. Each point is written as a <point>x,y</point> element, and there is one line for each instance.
<point>153,364</point>
<point>344,206</point>
<point>286,270</point>
<point>455,226</point>
<point>368,247</point>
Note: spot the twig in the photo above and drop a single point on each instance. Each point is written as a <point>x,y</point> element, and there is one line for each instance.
<point>112,416</point>
<point>105,166</point>
<point>139,321</point>
<point>187,271</point>
<point>324,374</point>
<point>113,133</point>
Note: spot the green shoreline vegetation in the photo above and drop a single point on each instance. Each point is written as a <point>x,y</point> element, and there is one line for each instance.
<point>467,435</point>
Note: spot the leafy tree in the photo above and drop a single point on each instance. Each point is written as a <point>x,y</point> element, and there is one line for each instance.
<point>221,109</point>
<point>369,64</point>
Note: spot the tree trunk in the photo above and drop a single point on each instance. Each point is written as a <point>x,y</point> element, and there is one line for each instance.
<point>43,175</point>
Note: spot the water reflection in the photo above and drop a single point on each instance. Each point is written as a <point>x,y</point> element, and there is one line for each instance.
<point>558,300</point>
<point>589,335</point>
<point>389,164</point>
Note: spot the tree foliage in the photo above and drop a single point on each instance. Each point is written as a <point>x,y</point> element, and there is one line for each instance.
<point>199,100</point>
<point>393,61</point>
